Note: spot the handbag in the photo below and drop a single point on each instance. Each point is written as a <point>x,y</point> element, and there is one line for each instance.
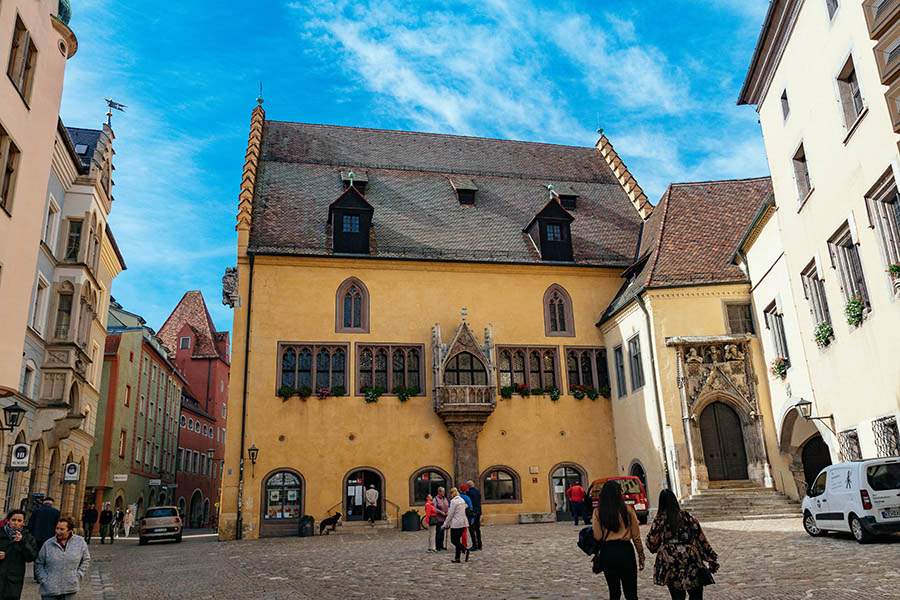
<point>597,560</point>
<point>706,577</point>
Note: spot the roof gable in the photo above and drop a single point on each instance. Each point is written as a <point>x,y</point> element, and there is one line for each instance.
<point>192,311</point>
<point>352,199</point>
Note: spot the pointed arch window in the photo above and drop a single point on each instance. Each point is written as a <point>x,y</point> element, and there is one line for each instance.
<point>389,366</point>
<point>465,369</point>
<point>533,367</point>
<point>306,365</point>
<point>352,307</point>
<point>559,320</point>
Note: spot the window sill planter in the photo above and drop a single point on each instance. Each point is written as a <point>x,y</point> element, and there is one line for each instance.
<point>580,391</point>
<point>855,311</point>
<point>372,392</point>
<point>779,367</point>
<point>823,334</point>
<point>337,390</point>
<point>286,392</point>
<point>403,393</point>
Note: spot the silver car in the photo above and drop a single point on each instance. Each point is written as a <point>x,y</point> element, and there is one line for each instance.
<point>160,523</point>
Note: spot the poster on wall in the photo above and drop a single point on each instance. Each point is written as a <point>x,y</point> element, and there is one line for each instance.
<point>274,495</point>
<point>19,457</point>
<point>292,495</point>
<point>71,472</point>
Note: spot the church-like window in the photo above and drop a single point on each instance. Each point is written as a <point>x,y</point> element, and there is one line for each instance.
<point>531,367</point>
<point>314,366</point>
<point>465,369</point>
<point>352,307</point>
<point>558,317</point>
<point>390,367</point>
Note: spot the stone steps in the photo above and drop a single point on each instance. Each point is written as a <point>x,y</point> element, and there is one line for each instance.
<point>734,501</point>
<point>360,527</point>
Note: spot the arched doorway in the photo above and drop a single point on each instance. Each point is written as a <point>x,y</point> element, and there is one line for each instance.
<point>181,506</point>
<point>723,443</point>
<point>282,503</point>
<point>815,456</point>
<point>355,484</point>
<point>562,477</point>
<point>637,470</point>
<point>196,510</point>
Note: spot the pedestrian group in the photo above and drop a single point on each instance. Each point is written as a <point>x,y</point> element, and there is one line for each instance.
<point>458,511</point>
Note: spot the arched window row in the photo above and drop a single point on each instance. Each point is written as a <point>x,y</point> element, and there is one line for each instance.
<point>315,366</point>
<point>465,369</point>
<point>427,480</point>
<point>588,367</point>
<point>501,485</point>
<point>528,366</point>
<point>351,307</point>
<point>390,367</point>
<point>559,318</point>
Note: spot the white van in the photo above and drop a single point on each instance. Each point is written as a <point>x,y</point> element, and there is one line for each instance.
<point>862,497</point>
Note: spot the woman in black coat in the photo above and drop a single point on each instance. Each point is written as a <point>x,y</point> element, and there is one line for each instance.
<point>17,547</point>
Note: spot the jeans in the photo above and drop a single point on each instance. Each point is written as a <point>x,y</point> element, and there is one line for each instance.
<point>620,569</point>
<point>88,530</point>
<point>694,594</point>
<point>456,540</point>
<point>105,531</point>
<point>371,513</point>
<point>475,530</point>
<point>440,537</point>
<point>578,512</point>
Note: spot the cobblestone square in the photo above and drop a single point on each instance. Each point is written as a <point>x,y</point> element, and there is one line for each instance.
<point>765,559</point>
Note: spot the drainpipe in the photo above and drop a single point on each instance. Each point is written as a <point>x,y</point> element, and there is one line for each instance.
<point>208,369</point>
<point>240,498</point>
<point>659,413</point>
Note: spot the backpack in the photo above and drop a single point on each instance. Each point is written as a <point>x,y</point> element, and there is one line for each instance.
<point>586,541</point>
<point>470,514</point>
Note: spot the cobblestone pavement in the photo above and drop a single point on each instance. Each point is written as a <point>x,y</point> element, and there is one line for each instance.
<point>769,559</point>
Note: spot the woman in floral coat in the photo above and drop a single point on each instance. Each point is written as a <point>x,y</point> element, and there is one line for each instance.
<point>681,549</point>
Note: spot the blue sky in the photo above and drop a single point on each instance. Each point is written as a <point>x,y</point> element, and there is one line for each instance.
<point>661,77</point>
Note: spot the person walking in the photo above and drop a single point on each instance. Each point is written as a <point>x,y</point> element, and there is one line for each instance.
<point>88,518</point>
<point>118,515</point>
<point>128,521</point>
<point>430,514</point>
<point>17,547</point>
<point>681,549</point>
<point>457,523</point>
<point>576,495</point>
<point>441,506</point>
<point>62,562</point>
<point>42,523</point>
<point>475,527</point>
<point>463,489</point>
<point>106,517</point>
<point>371,504</point>
<point>615,526</point>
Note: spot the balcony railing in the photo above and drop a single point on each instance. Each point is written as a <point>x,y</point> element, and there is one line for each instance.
<point>466,395</point>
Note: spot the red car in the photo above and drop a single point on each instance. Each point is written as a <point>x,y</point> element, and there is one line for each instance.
<point>632,492</point>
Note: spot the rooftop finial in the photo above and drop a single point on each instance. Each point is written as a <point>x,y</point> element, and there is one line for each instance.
<point>351,175</point>
<point>550,189</point>
<point>599,129</point>
<point>259,99</point>
<point>112,104</point>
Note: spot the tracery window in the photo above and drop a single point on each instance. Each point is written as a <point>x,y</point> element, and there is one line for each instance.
<point>390,366</point>
<point>316,366</point>
<point>465,369</point>
<point>587,366</point>
<point>352,307</point>
<point>558,317</point>
<point>534,367</point>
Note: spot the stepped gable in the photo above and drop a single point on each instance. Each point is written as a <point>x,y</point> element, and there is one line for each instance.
<point>410,183</point>
<point>192,311</point>
<point>691,235</point>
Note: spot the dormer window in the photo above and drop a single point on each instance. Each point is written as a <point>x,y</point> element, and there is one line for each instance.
<point>550,232</point>
<point>358,179</point>
<point>568,201</point>
<point>465,190</point>
<point>350,217</point>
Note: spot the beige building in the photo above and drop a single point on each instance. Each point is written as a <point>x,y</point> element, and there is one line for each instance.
<point>823,257</point>
<point>36,42</point>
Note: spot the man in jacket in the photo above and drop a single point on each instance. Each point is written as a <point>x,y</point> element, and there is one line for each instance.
<point>475,528</point>
<point>42,523</point>
<point>576,495</point>
<point>441,506</point>
<point>88,518</point>
<point>371,496</point>
<point>106,517</point>
<point>62,562</point>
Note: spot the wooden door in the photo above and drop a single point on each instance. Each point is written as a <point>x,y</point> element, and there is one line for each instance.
<point>723,443</point>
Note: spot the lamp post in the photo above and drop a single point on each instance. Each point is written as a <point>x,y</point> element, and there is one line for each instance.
<point>253,452</point>
<point>12,416</point>
<point>804,407</point>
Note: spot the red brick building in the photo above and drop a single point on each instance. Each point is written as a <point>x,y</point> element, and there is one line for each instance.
<point>201,354</point>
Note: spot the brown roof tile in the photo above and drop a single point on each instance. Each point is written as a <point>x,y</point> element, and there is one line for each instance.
<point>191,310</point>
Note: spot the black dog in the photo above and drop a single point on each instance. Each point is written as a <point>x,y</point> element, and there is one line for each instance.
<point>331,521</point>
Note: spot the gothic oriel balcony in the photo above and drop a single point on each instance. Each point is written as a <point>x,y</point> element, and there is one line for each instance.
<point>469,402</point>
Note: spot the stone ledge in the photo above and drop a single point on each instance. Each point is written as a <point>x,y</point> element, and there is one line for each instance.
<point>539,517</point>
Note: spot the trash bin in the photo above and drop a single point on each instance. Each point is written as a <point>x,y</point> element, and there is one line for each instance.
<point>307,527</point>
<point>410,521</point>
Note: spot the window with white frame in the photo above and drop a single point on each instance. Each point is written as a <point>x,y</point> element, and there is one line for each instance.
<point>801,173</point>
<point>184,343</point>
<point>775,324</point>
<point>38,311</point>
<point>22,60</point>
<point>636,364</point>
<point>845,259</point>
<point>28,379</point>
<point>814,291</point>
<point>50,227</point>
<point>138,449</point>
<point>852,101</point>
<point>883,204</point>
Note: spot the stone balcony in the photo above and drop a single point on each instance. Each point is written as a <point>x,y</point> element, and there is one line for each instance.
<point>462,399</point>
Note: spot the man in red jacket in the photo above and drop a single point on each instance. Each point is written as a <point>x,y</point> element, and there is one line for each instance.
<point>576,495</point>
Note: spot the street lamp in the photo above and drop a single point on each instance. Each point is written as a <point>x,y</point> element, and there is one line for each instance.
<point>804,407</point>
<point>12,415</point>
<point>253,452</point>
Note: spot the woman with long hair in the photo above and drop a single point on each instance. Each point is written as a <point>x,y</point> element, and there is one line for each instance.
<point>681,549</point>
<point>615,525</point>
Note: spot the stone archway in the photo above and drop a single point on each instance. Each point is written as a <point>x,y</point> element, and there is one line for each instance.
<point>196,514</point>
<point>815,456</point>
<point>355,483</point>
<point>723,443</point>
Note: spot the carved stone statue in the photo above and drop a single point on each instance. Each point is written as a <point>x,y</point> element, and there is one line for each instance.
<point>733,352</point>
<point>692,356</point>
<point>230,295</point>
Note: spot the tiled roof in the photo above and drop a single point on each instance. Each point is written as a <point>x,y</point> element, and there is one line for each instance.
<point>112,344</point>
<point>417,213</point>
<point>88,137</point>
<point>691,236</point>
<point>191,310</point>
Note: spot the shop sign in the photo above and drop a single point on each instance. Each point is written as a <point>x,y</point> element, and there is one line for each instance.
<point>19,457</point>
<point>120,477</point>
<point>153,482</point>
<point>71,472</point>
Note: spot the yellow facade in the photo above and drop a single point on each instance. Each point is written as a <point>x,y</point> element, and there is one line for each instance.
<point>325,439</point>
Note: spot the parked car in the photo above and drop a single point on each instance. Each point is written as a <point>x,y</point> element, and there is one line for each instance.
<point>862,497</point>
<point>158,523</point>
<point>632,492</point>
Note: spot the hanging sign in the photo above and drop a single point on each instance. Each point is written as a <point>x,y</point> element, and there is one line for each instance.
<point>71,472</point>
<point>19,457</point>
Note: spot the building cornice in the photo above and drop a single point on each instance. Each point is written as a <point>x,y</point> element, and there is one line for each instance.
<point>776,32</point>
